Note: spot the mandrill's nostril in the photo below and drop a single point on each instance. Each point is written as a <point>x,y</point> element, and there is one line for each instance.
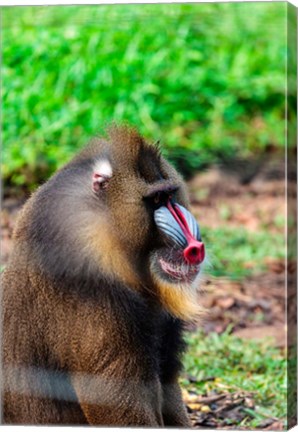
<point>195,252</point>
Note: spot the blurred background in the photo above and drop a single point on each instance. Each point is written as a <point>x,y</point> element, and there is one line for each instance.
<point>208,81</point>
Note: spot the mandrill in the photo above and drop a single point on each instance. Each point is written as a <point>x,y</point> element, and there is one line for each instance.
<point>103,273</point>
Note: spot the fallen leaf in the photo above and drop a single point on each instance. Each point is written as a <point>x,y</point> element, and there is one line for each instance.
<point>275,265</point>
<point>194,406</point>
<point>205,409</point>
<point>225,302</point>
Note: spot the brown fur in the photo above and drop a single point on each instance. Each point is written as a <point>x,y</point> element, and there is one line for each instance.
<point>113,259</point>
<point>91,334</point>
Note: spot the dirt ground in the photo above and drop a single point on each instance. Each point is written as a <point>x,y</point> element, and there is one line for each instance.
<point>253,306</point>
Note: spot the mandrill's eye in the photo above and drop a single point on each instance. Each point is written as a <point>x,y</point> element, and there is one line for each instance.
<point>157,198</point>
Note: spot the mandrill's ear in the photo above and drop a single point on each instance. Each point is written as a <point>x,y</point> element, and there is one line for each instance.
<point>101,176</point>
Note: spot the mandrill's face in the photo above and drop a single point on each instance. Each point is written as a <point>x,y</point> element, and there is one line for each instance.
<point>176,264</point>
<point>147,203</point>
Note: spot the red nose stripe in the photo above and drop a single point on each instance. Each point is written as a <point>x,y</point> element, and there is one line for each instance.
<point>179,216</point>
<point>194,253</point>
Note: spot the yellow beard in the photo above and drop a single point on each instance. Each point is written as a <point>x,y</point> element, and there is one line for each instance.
<point>181,300</point>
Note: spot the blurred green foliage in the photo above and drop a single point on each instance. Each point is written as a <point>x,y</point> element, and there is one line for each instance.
<point>206,79</point>
<point>237,252</point>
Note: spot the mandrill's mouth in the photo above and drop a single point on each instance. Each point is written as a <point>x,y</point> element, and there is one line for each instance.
<point>173,268</point>
<point>182,273</point>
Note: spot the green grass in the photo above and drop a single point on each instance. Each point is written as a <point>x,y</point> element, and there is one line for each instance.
<point>237,364</point>
<point>236,252</point>
<point>203,78</point>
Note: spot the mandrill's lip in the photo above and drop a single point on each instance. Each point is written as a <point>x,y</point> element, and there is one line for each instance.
<point>179,272</point>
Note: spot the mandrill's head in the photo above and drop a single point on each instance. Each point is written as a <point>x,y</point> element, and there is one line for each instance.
<point>119,210</point>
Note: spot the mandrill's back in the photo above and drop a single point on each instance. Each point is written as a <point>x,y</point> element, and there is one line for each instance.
<point>35,389</point>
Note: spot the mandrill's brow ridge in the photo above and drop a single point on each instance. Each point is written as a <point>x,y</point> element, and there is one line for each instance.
<point>165,186</point>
